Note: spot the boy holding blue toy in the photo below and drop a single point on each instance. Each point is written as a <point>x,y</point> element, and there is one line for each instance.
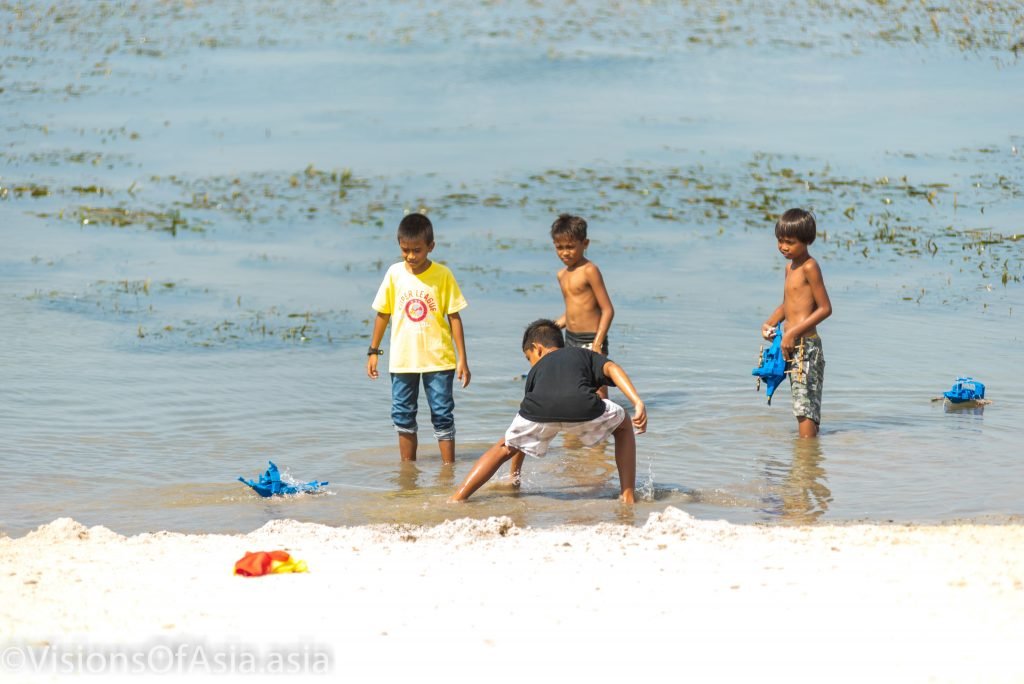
<point>805,304</point>
<point>416,297</point>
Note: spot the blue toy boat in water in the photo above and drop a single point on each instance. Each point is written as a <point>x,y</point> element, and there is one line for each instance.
<point>965,389</point>
<point>270,484</point>
<point>772,368</point>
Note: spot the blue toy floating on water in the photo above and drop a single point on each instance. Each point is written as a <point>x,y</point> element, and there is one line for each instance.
<point>965,389</point>
<point>772,368</point>
<point>270,484</point>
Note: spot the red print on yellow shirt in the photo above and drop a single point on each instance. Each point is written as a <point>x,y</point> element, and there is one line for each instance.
<point>417,304</point>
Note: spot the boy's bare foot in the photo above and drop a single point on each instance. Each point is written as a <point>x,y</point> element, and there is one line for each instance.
<point>627,497</point>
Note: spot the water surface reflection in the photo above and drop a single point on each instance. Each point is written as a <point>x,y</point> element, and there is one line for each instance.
<point>798,491</point>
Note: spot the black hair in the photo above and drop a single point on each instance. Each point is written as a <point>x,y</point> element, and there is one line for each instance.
<point>416,227</point>
<point>796,223</point>
<point>543,332</point>
<point>572,226</point>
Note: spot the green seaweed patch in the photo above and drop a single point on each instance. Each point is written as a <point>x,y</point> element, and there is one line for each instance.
<point>89,190</point>
<point>272,326</point>
<point>149,310</point>
<point>120,217</point>
<point>460,198</point>
<point>24,190</point>
<point>66,156</point>
<point>106,299</point>
<point>881,215</point>
<point>68,34</point>
<point>263,198</point>
<point>18,190</point>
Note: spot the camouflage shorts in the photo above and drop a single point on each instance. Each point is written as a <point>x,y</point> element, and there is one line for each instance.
<point>807,393</point>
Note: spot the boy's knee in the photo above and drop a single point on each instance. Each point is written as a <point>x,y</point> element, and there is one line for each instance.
<point>508,453</point>
<point>503,452</point>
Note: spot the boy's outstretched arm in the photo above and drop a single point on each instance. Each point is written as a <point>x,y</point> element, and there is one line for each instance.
<point>458,335</point>
<point>604,302</point>
<point>622,381</point>
<point>625,440</point>
<point>484,469</point>
<point>380,324</point>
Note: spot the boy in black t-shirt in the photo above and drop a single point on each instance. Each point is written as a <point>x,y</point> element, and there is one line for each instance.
<point>561,396</point>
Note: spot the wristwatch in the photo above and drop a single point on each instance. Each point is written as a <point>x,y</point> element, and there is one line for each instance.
<point>374,351</point>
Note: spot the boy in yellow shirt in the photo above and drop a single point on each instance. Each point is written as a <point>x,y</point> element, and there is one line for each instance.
<point>417,296</point>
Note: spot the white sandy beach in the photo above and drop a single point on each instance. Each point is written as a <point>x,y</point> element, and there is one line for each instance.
<point>486,601</point>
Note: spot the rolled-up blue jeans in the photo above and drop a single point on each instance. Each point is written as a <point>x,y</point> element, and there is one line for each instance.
<point>405,394</point>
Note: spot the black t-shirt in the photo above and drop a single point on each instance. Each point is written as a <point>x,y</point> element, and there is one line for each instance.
<point>562,387</point>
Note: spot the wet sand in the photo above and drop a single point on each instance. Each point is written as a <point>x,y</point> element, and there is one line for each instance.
<point>484,600</point>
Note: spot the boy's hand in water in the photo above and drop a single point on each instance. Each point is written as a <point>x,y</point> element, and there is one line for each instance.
<point>639,418</point>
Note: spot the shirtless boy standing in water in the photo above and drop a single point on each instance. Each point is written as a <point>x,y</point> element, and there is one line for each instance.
<point>588,308</point>
<point>805,304</point>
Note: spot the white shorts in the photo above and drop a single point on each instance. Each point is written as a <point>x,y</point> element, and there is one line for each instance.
<point>533,438</point>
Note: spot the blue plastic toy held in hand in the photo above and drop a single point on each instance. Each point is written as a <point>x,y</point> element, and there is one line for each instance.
<point>965,389</point>
<point>772,368</point>
<point>270,484</point>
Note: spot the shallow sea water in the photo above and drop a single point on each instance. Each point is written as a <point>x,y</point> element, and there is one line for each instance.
<point>198,201</point>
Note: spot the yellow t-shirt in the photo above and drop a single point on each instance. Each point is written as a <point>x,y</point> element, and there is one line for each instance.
<point>421,338</point>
